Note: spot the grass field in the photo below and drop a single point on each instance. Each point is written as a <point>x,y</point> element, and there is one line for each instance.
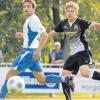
<point>58,97</point>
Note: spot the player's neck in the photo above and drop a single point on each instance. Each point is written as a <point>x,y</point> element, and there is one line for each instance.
<point>30,15</point>
<point>72,20</point>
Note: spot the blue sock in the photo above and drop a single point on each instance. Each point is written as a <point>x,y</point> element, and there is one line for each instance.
<point>4,90</point>
<point>56,79</point>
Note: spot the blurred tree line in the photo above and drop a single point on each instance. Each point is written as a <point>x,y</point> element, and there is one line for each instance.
<point>50,13</point>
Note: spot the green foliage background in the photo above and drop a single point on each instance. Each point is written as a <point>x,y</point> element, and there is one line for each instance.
<point>12,19</point>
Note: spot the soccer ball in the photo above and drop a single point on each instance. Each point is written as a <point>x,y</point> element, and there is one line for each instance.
<point>15,85</point>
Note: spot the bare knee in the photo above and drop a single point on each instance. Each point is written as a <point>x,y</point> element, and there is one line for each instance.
<point>84,72</point>
<point>42,81</point>
<point>66,73</point>
<point>40,77</point>
<point>11,73</point>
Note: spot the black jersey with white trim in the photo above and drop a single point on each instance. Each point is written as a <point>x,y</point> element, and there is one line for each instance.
<point>76,32</point>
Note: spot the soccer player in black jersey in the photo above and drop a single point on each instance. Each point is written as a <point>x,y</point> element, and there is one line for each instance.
<point>75,28</point>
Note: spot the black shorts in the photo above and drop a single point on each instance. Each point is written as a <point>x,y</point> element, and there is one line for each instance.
<point>75,61</point>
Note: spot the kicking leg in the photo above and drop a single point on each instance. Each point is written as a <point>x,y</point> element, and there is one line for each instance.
<point>41,78</point>
<point>39,75</point>
<point>4,90</point>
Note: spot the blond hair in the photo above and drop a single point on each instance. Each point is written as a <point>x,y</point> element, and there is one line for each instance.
<point>72,4</point>
<point>32,2</point>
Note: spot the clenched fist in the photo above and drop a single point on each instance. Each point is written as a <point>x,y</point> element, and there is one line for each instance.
<point>19,35</point>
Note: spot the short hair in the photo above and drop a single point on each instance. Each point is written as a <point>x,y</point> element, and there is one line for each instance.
<point>32,2</point>
<point>72,4</point>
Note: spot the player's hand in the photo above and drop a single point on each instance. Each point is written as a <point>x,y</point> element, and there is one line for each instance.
<point>36,55</point>
<point>19,35</point>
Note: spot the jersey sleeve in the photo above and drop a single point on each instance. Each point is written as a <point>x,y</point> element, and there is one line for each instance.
<point>58,28</point>
<point>85,23</point>
<point>36,25</point>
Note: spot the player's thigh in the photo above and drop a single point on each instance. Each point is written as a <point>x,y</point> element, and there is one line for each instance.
<point>12,72</point>
<point>84,70</point>
<point>84,61</point>
<point>70,66</point>
<point>24,60</point>
<point>36,66</point>
<point>40,77</point>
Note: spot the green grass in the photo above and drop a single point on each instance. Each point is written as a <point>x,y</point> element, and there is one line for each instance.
<point>58,97</point>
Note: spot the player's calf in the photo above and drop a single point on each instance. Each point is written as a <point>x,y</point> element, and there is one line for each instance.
<point>71,84</point>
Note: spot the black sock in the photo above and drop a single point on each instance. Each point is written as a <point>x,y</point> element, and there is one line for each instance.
<point>66,91</point>
<point>96,75</point>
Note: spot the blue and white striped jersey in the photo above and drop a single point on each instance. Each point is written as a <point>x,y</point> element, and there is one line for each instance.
<point>32,30</point>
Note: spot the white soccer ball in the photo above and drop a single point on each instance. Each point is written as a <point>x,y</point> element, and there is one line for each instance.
<point>15,84</point>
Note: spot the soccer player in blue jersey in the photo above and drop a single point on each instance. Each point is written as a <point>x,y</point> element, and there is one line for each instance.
<point>34,38</point>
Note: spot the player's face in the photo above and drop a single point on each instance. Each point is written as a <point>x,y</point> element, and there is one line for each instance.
<point>28,9</point>
<point>71,13</point>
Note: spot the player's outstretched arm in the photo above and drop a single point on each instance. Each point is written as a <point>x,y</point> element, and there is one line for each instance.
<point>51,34</point>
<point>96,25</point>
<point>19,35</point>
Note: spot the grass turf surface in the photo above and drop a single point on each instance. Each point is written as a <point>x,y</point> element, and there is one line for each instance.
<point>58,97</point>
